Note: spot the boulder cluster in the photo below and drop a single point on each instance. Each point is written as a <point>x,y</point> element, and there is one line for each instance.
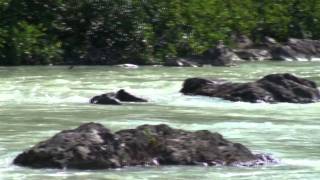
<point>271,88</point>
<point>245,50</point>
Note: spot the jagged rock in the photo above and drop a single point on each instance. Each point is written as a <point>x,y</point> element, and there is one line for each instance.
<point>284,53</point>
<point>270,49</point>
<point>269,42</point>
<point>306,47</point>
<point>92,146</point>
<point>116,98</point>
<point>253,54</point>
<point>271,88</point>
<point>220,56</point>
<point>296,50</point>
<point>180,62</point>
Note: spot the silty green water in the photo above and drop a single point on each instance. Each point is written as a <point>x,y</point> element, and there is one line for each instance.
<point>37,102</point>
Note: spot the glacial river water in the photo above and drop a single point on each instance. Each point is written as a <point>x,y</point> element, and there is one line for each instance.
<point>37,102</point>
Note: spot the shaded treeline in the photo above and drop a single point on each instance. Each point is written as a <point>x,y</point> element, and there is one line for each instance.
<point>141,31</point>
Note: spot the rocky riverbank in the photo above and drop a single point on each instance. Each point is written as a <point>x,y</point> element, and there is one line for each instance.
<point>245,50</point>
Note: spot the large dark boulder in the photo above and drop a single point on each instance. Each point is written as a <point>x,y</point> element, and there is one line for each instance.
<point>115,98</point>
<point>271,88</point>
<point>92,146</point>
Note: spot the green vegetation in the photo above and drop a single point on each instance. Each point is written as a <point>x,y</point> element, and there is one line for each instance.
<point>141,31</point>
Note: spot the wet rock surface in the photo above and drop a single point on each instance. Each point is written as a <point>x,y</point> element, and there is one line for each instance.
<point>116,98</point>
<point>92,146</point>
<point>271,88</point>
<point>220,55</point>
<point>297,49</point>
<point>253,54</point>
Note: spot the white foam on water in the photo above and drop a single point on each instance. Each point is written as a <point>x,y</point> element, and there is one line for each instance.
<point>314,163</point>
<point>315,59</point>
<point>60,81</point>
<point>302,59</point>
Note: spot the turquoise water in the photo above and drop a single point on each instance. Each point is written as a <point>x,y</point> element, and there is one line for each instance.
<point>37,102</point>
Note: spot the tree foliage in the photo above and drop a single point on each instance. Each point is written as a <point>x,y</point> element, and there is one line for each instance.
<point>139,31</point>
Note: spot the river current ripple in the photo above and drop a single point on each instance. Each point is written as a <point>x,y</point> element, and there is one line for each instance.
<point>37,102</point>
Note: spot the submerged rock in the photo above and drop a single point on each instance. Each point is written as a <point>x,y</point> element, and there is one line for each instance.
<point>116,98</point>
<point>271,88</point>
<point>92,146</point>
